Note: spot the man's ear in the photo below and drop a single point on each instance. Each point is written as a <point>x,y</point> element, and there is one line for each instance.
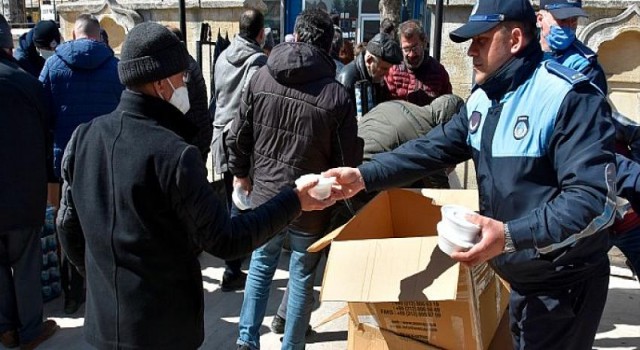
<point>517,40</point>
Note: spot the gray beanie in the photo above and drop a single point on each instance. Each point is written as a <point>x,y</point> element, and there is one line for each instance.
<point>150,53</point>
<point>6,40</point>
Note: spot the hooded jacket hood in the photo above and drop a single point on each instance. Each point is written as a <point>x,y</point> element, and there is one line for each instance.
<point>299,63</point>
<point>240,50</point>
<point>84,53</point>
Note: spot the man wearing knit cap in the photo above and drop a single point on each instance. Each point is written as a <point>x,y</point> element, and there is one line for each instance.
<point>35,46</point>
<point>368,70</point>
<point>541,139</point>
<point>136,197</point>
<point>23,177</point>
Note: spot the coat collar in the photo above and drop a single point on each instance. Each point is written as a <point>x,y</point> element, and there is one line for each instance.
<point>149,107</point>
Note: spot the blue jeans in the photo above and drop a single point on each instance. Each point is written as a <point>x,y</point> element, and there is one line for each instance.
<point>21,290</point>
<point>629,245</point>
<point>302,267</point>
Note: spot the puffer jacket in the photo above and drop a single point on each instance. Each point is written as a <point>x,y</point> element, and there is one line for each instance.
<point>27,55</point>
<point>294,119</point>
<point>81,82</point>
<point>392,123</point>
<point>421,85</point>
<point>135,198</point>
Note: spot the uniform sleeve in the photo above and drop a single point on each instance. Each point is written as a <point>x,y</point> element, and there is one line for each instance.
<point>581,151</point>
<point>68,225</point>
<point>443,147</point>
<point>207,220</point>
<point>239,141</point>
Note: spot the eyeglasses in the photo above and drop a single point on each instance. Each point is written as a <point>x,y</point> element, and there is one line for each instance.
<point>415,49</point>
<point>186,76</point>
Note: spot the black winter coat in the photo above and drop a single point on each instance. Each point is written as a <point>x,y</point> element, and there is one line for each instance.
<point>138,195</point>
<point>199,114</point>
<point>294,119</point>
<point>24,141</point>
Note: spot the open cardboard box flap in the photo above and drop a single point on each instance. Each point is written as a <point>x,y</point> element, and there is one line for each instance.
<point>388,252</point>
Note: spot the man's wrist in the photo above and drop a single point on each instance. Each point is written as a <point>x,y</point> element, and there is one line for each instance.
<point>509,247</point>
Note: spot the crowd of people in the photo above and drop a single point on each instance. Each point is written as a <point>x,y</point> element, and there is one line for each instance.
<point>119,146</point>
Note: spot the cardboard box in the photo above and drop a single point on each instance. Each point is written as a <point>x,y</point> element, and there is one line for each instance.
<point>386,265</point>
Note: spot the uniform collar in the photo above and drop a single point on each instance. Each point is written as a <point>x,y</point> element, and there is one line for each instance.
<point>513,73</point>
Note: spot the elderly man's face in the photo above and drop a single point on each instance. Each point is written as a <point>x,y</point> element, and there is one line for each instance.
<point>377,68</point>
<point>545,20</point>
<point>412,50</point>
<point>490,50</point>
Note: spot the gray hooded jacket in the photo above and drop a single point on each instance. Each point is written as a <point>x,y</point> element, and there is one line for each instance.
<point>232,73</point>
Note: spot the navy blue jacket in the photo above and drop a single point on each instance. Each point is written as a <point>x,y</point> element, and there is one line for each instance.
<point>581,58</point>
<point>549,176</point>
<point>81,82</point>
<point>27,55</point>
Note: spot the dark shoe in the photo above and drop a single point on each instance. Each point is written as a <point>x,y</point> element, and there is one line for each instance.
<point>49,328</point>
<point>71,305</point>
<point>234,282</point>
<point>244,347</point>
<point>9,339</point>
<point>278,323</point>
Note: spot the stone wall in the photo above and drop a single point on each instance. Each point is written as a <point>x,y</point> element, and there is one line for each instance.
<point>118,19</point>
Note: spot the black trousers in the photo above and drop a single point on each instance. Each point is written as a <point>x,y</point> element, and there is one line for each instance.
<point>560,319</point>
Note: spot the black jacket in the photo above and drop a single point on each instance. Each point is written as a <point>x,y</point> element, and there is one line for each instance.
<point>27,55</point>
<point>356,71</point>
<point>294,119</point>
<point>23,147</point>
<point>138,195</point>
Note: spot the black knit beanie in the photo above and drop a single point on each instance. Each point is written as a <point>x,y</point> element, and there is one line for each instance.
<point>150,53</point>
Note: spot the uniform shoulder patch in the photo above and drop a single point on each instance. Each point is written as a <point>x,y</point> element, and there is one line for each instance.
<point>571,76</point>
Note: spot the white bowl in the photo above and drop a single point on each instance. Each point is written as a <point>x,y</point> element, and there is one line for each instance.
<point>240,198</point>
<point>320,191</point>
<point>454,216</point>
<point>449,243</point>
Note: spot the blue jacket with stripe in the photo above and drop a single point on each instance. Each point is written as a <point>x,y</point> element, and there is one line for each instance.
<point>541,140</point>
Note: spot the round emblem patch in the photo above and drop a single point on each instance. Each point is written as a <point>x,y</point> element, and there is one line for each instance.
<point>522,127</point>
<point>474,122</point>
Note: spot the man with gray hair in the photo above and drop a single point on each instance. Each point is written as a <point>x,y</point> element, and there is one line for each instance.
<point>368,70</point>
<point>23,177</point>
<point>81,82</point>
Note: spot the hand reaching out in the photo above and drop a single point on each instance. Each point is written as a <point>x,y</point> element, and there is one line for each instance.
<point>307,202</point>
<point>349,179</point>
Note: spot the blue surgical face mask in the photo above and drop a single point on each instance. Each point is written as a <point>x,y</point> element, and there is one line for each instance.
<point>560,38</point>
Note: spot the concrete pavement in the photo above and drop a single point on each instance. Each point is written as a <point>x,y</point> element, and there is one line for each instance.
<point>619,328</point>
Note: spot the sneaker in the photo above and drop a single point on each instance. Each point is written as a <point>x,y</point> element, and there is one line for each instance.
<point>233,283</point>
<point>9,339</point>
<point>49,328</point>
<point>278,323</point>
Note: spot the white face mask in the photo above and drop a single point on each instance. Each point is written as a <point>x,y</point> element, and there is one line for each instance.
<point>180,98</point>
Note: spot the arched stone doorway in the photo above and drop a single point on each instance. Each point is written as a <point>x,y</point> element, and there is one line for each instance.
<point>617,42</point>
